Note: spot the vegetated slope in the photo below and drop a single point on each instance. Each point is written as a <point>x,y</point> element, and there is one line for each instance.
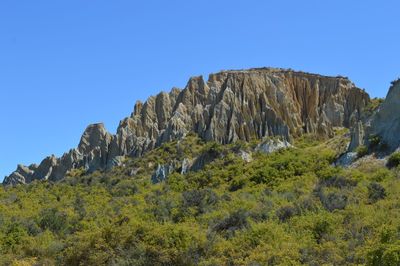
<point>286,208</point>
<point>232,105</point>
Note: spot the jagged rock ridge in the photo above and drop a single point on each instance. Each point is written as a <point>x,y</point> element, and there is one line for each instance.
<point>231,106</point>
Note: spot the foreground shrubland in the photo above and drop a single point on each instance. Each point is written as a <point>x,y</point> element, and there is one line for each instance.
<point>287,208</point>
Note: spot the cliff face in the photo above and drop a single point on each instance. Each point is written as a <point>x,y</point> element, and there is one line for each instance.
<point>385,123</point>
<point>231,106</point>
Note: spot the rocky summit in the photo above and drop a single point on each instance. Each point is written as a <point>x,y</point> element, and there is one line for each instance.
<point>230,106</point>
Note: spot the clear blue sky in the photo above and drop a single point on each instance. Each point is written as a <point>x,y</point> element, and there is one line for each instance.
<point>65,64</point>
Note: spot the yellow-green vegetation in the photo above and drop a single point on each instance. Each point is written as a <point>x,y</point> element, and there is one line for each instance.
<point>373,106</point>
<point>361,151</point>
<point>291,207</point>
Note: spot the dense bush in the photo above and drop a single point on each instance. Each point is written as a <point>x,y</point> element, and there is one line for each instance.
<point>200,200</point>
<point>374,141</point>
<point>53,220</point>
<point>286,212</point>
<point>320,230</point>
<point>361,151</point>
<point>230,224</point>
<point>338,182</point>
<point>376,192</point>
<point>376,144</point>
<point>291,207</point>
<point>394,160</point>
<point>334,201</point>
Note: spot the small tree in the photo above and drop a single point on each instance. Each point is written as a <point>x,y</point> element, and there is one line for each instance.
<point>394,160</point>
<point>374,141</point>
<point>361,151</point>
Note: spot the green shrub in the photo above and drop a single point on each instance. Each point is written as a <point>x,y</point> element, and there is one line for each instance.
<point>334,201</point>
<point>235,221</point>
<point>394,160</point>
<point>377,144</point>
<point>361,151</point>
<point>376,192</point>
<point>338,182</point>
<point>373,105</point>
<point>200,200</point>
<point>382,174</point>
<point>321,229</point>
<point>286,212</point>
<point>374,141</point>
<point>53,220</point>
<point>236,184</point>
<point>14,237</point>
<point>385,255</point>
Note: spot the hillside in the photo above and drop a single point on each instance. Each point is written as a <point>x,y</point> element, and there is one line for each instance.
<point>289,207</point>
<point>254,167</point>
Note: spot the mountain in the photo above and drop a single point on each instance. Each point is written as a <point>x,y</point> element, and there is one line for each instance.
<point>253,167</point>
<point>231,106</point>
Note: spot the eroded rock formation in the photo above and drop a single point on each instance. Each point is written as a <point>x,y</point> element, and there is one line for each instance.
<point>231,106</point>
<point>385,123</point>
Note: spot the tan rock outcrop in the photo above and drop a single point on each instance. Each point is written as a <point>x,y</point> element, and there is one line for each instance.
<point>230,106</point>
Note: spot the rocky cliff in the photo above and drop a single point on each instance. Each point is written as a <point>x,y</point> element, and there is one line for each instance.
<point>230,106</point>
<point>385,123</point>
